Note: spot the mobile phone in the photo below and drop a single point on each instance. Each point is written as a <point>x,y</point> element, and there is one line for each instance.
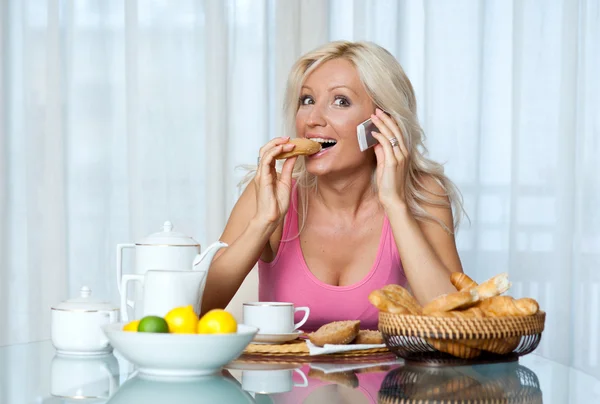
<point>365,138</point>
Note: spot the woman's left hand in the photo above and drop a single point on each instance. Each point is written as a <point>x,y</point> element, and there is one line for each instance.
<point>392,160</point>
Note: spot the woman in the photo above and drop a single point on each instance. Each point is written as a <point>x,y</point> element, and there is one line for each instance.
<point>358,220</point>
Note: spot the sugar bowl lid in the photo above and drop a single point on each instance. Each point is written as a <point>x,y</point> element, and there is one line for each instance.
<point>85,302</point>
<point>168,237</point>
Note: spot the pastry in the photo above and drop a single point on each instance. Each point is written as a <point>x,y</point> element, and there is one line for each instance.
<point>403,297</point>
<point>473,312</point>
<point>451,301</point>
<point>368,337</point>
<point>379,299</point>
<point>454,348</point>
<point>500,306</point>
<point>462,281</point>
<point>470,303</point>
<point>303,147</point>
<point>493,287</point>
<point>495,345</point>
<point>337,332</point>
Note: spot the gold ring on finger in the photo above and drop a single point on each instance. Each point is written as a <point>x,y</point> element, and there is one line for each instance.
<point>394,141</point>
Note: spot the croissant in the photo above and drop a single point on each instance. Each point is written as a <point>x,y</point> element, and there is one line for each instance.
<point>303,147</point>
<point>500,306</point>
<point>451,301</point>
<point>493,287</point>
<point>462,281</point>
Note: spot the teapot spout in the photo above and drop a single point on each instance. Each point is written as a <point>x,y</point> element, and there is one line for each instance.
<point>202,261</point>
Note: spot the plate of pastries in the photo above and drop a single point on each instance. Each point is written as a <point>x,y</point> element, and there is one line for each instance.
<point>475,324</point>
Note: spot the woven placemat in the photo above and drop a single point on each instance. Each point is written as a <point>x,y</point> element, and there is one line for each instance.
<point>296,347</point>
<point>299,348</point>
<point>291,358</point>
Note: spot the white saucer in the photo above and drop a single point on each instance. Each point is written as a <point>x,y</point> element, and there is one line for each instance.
<point>276,338</point>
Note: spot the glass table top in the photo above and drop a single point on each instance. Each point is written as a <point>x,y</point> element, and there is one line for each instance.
<point>33,373</point>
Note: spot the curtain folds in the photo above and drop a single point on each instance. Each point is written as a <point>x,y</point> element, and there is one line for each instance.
<point>118,115</point>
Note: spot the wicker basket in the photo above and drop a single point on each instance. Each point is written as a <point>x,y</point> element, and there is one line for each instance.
<point>426,339</point>
<point>499,383</point>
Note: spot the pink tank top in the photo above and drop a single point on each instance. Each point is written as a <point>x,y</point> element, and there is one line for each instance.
<point>288,279</point>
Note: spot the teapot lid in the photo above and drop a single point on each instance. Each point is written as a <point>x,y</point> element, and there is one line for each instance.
<point>168,237</point>
<point>85,302</point>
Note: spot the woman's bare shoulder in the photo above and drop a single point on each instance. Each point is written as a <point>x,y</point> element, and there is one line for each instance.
<point>432,187</point>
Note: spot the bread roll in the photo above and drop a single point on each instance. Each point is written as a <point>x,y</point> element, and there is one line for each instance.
<point>403,297</point>
<point>462,281</point>
<point>451,301</point>
<point>493,287</point>
<point>495,345</point>
<point>303,147</point>
<point>501,306</point>
<point>454,348</point>
<point>379,299</point>
<point>337,332</point>
<point>475,312</point>
<point>472,312</point>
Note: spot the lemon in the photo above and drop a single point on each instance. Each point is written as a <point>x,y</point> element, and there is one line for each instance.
<point>182,320</point>
<point>217,321</point>
<point>153,324</point>
<point>131,326</point>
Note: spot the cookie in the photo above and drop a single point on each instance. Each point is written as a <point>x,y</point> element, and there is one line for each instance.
<point>303,147</point>
<point>337,332</point>
<point>368,337</point>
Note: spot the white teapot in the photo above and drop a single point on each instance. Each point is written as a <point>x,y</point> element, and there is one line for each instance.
<point>166,251</point>
<point>163,291</point>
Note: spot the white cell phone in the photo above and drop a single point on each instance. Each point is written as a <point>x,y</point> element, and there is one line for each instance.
<point>365,138</point>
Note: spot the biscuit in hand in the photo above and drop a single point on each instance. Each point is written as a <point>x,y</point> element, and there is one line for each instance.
<point>304,147</point>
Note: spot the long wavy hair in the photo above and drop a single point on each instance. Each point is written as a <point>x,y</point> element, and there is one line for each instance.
<point>390,89</point>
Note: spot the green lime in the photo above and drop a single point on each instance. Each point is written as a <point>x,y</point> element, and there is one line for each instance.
<point>153,324</point>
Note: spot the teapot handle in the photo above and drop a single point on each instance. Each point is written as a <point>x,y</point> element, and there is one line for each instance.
<point>120,248</point>
<point>124,302</point>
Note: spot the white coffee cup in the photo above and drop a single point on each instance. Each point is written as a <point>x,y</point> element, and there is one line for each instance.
<point>273,317</point>
<point>271,381</point>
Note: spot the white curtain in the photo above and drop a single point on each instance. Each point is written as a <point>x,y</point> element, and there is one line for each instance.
<point>118,115</point>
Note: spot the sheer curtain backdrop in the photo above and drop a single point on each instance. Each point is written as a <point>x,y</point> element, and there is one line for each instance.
<point>118,115</point>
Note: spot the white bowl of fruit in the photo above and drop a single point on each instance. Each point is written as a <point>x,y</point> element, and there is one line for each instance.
<point>179,344</point>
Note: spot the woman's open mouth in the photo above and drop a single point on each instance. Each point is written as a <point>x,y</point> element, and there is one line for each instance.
<point>326,145</point>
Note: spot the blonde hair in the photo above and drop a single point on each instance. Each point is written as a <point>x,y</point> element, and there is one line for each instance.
<point>390,89</point>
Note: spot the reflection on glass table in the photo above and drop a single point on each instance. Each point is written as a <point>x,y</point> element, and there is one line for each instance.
<point>207,389</point>
<point>502,382</point>
<point>92,378</point>
<point>33,373</point>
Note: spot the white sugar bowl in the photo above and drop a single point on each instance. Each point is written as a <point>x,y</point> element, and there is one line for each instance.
<point>76,325</point>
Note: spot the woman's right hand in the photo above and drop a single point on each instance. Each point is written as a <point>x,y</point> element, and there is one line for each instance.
<point>273,191</point>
